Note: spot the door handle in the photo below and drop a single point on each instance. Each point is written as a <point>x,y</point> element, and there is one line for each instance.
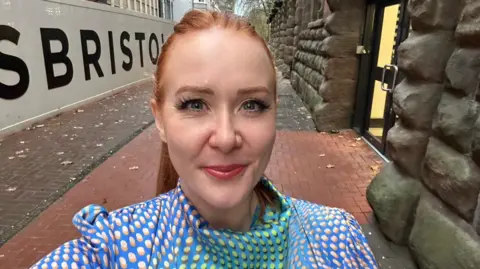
<point>384,86</point>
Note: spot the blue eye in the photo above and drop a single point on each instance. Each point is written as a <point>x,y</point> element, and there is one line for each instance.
<point>193,105</point>
<point>255,106</point>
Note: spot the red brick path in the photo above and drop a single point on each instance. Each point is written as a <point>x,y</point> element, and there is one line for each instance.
<point>299,167</point>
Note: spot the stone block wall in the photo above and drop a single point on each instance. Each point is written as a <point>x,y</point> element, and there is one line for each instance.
<point>282,36</point>
<point>428,197</point>
<point>325,64</point>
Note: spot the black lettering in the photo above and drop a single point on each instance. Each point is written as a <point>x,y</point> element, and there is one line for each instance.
<point>93,58</point>
<point>12,63</point>
<point>163,41</point>
<point>112,52</point>
<point>50,58</point>
<point>153,58</point>
<point>140,37</point>
<point>126,66</point>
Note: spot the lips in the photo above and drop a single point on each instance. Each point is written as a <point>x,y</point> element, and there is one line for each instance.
<point>224,172</point>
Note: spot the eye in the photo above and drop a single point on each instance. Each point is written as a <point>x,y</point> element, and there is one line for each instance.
<point>255,106</point>
<point>195,105</point>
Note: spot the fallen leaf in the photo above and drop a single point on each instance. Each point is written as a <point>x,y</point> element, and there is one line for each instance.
<point>99,145</point>
<point>330,166</point>
<point>133,168</point>
<point>110,138</point>
<point>358,138</point>
<point>375,168</point>
<point>80,110</point>
<point>322,155</point>
<point>22,142</point>
<point>67,162</point>
<point>39,126</point>
<point>22,156</point>
<point>60,153</point>
<point>77,127</point>
<point>10,189</point>
<point>11,158</point>
<point>19,152</point>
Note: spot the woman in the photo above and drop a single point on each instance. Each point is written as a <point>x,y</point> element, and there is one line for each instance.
<point>215,109</point>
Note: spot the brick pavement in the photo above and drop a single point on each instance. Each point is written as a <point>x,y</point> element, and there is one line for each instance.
<point>332,169</point>
<point>32,175</point>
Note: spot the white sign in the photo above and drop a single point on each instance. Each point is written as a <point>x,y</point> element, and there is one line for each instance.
<point>58,54</point>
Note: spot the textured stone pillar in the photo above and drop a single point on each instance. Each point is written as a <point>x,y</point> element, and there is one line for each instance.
<point>422,59</point>
<point>341,33</point>
<point>434,145</point>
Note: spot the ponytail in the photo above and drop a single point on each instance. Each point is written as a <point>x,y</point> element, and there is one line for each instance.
<point>167,178</point>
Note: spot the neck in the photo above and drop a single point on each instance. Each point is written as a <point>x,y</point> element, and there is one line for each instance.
<point>238,218</point>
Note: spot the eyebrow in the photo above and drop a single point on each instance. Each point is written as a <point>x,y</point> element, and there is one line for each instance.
<point>208,91</point>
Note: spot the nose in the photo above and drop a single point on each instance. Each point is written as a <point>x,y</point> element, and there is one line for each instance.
<point>225,136</point>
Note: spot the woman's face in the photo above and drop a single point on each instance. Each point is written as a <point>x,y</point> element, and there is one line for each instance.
<point>218,114</point>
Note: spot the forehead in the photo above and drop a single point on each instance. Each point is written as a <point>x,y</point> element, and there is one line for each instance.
<point>218,58</point>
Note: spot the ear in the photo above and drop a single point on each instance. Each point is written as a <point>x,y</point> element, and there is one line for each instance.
<point>157,113</point>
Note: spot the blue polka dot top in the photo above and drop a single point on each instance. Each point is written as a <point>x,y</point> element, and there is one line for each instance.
<point>168,232</point>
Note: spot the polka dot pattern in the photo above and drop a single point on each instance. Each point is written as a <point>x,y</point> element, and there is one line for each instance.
<point>168,232</point>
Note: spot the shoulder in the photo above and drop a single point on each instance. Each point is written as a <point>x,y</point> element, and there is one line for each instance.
<point>140,215</point>
<point>116,233</point>
<point>335,230</point>
<point>330,220</point>
<point>320,212</point>
<point>123,228</point>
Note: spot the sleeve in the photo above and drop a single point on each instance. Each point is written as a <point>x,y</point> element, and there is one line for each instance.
<point>358,248</point>
<point>94,249</point>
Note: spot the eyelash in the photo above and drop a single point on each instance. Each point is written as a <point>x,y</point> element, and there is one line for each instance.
<point>184,103</point>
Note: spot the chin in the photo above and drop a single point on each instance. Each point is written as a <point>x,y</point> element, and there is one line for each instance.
<point>226,199</point>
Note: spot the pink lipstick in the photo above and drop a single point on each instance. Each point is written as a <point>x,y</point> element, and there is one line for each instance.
<point>224,172</point>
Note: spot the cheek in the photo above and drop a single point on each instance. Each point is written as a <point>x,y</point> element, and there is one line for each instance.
<point>186,137</point>
<point>259,136</point>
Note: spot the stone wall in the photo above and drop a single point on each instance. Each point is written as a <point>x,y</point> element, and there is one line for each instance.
<point>282,36</point>
<point>325,64</point>
<point>427,198</point>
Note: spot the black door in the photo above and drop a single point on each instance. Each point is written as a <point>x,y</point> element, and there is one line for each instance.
<point>386,27</point>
